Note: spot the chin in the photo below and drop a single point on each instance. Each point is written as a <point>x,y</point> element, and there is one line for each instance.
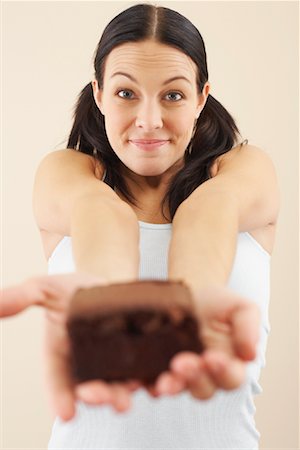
<point>150,172</point>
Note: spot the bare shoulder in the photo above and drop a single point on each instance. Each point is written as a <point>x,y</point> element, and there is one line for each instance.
<point>252,153</point>
<point>249,173</point>
<point>226,157</point>
<point>61,178</point>
<point>70,154</point>
<point>251,169</point>
<point>231,154</point>
<point>249,161</point>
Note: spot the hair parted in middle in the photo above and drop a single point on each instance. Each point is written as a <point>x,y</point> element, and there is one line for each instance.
<point>215,131</point>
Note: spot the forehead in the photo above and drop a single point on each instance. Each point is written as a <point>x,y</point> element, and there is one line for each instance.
<point>151,56</point>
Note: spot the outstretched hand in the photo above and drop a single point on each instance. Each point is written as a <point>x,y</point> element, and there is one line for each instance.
<point>53,292</point>
<point>229,330</point>
<point>230,333</point>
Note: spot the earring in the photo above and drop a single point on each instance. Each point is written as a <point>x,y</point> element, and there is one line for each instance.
<point>194,129</point>
<point>190,147</point>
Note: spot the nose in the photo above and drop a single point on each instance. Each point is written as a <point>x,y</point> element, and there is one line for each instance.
<point>149,116</point>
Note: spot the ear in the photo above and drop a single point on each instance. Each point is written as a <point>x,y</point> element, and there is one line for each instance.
<point>97,93</point>
<point>203,98</point>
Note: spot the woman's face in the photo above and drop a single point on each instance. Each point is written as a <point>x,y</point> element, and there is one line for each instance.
<point>150,102</point>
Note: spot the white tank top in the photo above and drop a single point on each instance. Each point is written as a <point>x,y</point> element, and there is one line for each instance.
<point>225,421</point>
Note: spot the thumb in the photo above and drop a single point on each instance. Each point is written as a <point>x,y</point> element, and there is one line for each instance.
<point>13,300</point>
<point>228,307</point>
<point>246,326</point>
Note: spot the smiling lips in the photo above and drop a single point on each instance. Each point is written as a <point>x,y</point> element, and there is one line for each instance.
<point>148,144</point>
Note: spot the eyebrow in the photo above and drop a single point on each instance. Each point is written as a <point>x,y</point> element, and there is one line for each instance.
<point>178,77</point>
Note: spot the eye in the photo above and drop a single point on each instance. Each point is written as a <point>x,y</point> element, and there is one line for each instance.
<point>173,98</point>
<point>126,94</point>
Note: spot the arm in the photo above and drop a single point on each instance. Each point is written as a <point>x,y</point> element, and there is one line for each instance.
<point>203,242</point>
<point>69,200</point>
<point>242,196</point>
<point>105,236</point>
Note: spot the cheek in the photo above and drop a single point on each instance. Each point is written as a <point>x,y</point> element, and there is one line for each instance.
<point>116,124</point>
<point>183,126</point>
<point>181,117</point>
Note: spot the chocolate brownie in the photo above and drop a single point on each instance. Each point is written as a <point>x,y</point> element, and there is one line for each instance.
<point>130,330</point>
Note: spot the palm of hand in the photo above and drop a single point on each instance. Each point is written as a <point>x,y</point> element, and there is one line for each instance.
<point>229,330</point>
<point>54,293</point>
<point>63,391</point>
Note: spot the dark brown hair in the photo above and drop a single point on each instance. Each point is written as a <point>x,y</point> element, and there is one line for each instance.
<point>215,133</point>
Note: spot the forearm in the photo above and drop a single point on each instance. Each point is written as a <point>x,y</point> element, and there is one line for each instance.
<point>105,238</point>
<point>203,241</point>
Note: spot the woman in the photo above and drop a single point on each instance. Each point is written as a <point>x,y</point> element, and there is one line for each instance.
<point>154,184</point>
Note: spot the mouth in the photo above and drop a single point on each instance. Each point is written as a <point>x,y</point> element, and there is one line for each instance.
<point>148,144</point>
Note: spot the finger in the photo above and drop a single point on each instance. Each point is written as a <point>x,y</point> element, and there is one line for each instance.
<point>185,363</point>
<point>121,397</point>
<point>246,325</point>
<point>15,299</point>
<point>201,385</point>
<point>192,368</point>
<point>57,374</point>
<point>51,292</point>
<point>226,372</point>
<point>33,291</point>
<point>99,392</point>
<point>94,392</point>
<point>169,383</point>
<point>152,390</point>
<point>220,304</point>
<point>133,385</point>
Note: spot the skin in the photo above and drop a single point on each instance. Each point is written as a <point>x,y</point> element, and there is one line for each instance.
<point>229,329</point>
<point>149,109</point>
<point>229,323</point>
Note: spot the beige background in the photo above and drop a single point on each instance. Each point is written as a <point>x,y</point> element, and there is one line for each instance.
<point>253,59</point>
